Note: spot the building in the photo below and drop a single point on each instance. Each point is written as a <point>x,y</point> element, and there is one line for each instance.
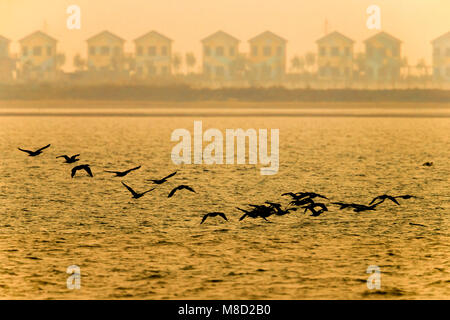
<point>441,57</point>
<point>38,57</point>
<point>220,51</point>
<point>153,55</point>
<point>383,57</point>
<point>105,53</point>
<point>335,57</point>
<point>267,56</point>
<point>7,64</point>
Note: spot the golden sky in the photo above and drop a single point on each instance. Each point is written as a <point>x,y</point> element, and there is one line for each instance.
<point>415,22</point>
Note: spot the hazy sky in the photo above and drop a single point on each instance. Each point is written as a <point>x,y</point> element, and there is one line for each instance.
<point>416,22</point>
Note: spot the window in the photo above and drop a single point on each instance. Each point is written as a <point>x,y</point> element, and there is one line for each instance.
<point>267,51</point>
<point>335,71</point>
<point>395,51</point>
<point>164,70</point>
<point>49,50</point>
<point>92,51</point>
<point>323,51</point>
<point>279,51</point>
<point>266,71</point>
<point>37,51</point>
<point>105,51</point>
<point>232,52</point>
<point>335,51</point>
<point>322,71</point>
<point>207,69</point>
<point>220,71</point>
<point>254,51</point>
<point>219,51</point>
<point>207,51</point>
<point>139,51</point>
<point>164,51</point>
<point>151,70</point>
<point>117,51</point>
<point>25,51</point>
<point>152,51</point>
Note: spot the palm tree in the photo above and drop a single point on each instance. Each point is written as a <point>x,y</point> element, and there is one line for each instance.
<point>176,62</point>
<point>78,62</point>
<point>190,60</point>
<point>360,62</point>
<point>239,67</point>
<point>310,59</point>
<point>60,60</point>
<point>298,63</point>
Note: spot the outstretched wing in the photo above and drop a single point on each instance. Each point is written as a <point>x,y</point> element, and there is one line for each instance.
<point>132,169</point>
<point>222,215</point>
<point>63,156</point>
<point>243,217</point>
<point>394,200</point>
<point>43,148</point>
<point>374,199</point>
<point>173,191</point>
<point>170,175</point>
<point>27,151</point>
<point>74,170</point>
<point>188,188</point>
<point>204,218</point>
<point>149,190</point>
<point>109,171</point>
<point>88,170</point>
<point>130,189</point>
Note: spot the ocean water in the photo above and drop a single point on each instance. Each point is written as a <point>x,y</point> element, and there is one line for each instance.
<point>155,248</point>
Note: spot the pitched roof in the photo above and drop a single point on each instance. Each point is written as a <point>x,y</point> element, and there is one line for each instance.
<point>153,33</point>
<point>39,33</point>
<point>4,39</point>
<point>383,34</point>
<point>220,33</point>
<point>266,34</point>
<point>105,33</point>
<point>443,37</point>
<point>333,35</point>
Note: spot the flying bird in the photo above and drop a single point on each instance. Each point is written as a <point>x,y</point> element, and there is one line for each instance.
<point>68,159</point>
<point>180,187</point>
<point>312,207</point>
<point>122,173</point>
<point>214,214</point>
<point>84,167</point>
<point>34,153</point>
<point>160,181</point>
<point>383,197</point>
<point>136,195</point>
<point>428,164</point>
<point>252,214</point>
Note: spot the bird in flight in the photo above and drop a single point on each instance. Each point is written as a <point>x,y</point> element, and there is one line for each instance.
<point>122,173</point>
<point>214,214</point>
<point>136,195</point>
<point>312,207</point>
<point>160,181</point>
<point>180,187</point>
<point>427,164</point>
<point>383,197</point>
<point>276,207</point>
<point>68,159</point>
<point>84,167</point>
<point>34,153</point>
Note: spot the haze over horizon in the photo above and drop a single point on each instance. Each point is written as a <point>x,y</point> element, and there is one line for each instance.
<point>415,22</point>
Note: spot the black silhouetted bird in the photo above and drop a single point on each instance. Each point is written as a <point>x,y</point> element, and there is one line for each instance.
<point>136,195</point>
<point>160,181</point>
<point>406,196</point>
<point>180,187</point>
<point>84,167</point>
<point>312,207</point>
<point>214,214</point>
<point>68,159</point>
<point>122,173</point>
<point>276,207</point>
<point>252,214</point>
<point>428,164</point>
<point>383,197</point>
<point>34,153</point>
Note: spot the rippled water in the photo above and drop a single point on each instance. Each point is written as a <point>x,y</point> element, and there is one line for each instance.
<point>155,248</point>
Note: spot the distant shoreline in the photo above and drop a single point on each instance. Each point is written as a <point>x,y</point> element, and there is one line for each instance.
<point>182,93</point>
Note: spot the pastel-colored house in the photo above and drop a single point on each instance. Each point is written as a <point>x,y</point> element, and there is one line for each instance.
<point>105,52</point>
<point>153,55</point>
<point>7,65</point>
<point>383,57</point>
<point>220,51</point>
<point>267,56</point>
<point>441,57</point>
<point>335,56</point>
<point>38,58</point>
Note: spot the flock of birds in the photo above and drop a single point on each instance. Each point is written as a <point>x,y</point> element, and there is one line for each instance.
<point>87,169</point>
<point>305,201</point>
